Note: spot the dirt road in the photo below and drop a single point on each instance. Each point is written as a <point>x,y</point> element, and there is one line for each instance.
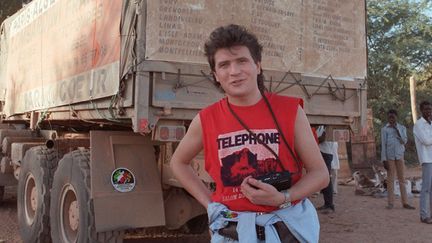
<point>8,217</point>
<point>357,219</point>
<point>365,219</point>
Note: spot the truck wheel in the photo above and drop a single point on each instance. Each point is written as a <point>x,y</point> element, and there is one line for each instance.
<point>2,190</point>
<point>72,217</point>
<point>196,225</point>
<point>33,198</point>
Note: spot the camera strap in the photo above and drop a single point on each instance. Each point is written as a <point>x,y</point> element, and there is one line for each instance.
<point>261,141</point>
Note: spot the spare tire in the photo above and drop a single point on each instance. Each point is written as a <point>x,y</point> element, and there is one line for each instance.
<point>72,216</point>
<point>34,185</point>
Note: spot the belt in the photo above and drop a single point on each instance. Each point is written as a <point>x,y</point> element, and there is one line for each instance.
<point>230,231</point>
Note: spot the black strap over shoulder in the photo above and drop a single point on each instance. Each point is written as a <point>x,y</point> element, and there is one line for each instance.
<point>261,141</point>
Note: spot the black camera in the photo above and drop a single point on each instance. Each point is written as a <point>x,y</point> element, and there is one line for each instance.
<point>280,180</point>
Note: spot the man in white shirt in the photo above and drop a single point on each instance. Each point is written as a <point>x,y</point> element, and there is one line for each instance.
<point>423,141</point>
<point>327,152</point>
<point>329,147</point>
<point>335,167</point>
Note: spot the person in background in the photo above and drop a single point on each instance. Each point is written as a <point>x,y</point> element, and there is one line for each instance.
<point>393,140</point>
<point>327,151</point>
<point>260,133</point>
<point>423,142</point>
<point>335,166</point>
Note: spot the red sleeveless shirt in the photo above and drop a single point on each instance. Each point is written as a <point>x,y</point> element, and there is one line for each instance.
<point>231,154</point>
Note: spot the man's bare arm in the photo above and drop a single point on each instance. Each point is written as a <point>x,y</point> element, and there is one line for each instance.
<point>187,149</point>
<point>317,176</point>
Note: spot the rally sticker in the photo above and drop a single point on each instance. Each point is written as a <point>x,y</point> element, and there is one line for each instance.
<point>123,180</point>
<point>229,214</point>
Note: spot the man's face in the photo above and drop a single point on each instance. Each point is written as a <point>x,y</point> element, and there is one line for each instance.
<point>236,71</point>
<point>391,118</point>
<point>427,112</point>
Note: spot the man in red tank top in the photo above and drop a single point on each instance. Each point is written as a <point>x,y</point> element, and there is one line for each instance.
<point>234,152</point>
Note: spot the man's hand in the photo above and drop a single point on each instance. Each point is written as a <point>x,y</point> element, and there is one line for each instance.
<point>261,193</point>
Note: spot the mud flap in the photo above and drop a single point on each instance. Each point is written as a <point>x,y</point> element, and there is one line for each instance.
<point>117,208</point>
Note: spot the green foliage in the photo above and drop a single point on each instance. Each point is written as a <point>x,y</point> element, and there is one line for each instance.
<point>399,46</point>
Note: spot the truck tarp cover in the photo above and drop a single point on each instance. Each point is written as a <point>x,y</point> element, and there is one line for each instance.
<point>318,37</point>
<point>61,52</point>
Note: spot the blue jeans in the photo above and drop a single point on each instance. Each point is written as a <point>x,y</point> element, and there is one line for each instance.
<point>426,191</point>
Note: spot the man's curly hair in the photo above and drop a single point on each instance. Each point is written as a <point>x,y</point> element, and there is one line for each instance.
<point>229,36</point>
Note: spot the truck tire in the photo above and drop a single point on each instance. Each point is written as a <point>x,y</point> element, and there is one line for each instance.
<point>72,215</point>
<point>33,197</point>
<point>2,190</point>
<point>196,225</point>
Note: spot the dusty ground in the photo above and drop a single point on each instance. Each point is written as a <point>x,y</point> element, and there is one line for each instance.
<point>365,219</point>
<point>8,217</point>
<point>357,219</point>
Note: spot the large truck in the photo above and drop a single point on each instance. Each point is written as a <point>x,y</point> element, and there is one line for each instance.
<point>96,94</point>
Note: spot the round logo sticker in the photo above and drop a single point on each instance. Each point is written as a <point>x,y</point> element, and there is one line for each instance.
<point>123,180</point>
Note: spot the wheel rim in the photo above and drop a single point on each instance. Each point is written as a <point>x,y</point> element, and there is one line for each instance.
<point>69,214</point>
<point>30,199</point>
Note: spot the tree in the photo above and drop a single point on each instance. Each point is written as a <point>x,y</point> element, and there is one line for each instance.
<point>399,45</point>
